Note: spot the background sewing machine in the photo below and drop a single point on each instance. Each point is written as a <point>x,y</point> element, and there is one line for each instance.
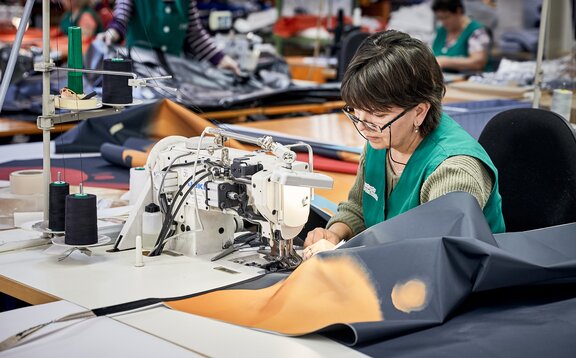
<point>206,191</point>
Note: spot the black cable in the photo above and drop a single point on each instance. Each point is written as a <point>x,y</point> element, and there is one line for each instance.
<point>166,170</point>
<point>187,193</point>
<point>169,220</point>
<point>163,200</point>
<point>164,234</point>
<point>167,207</point>
<point>163,203</point>
<point>179,191</point>
<point>390,150</point>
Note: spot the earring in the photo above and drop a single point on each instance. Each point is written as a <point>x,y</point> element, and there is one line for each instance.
<point>416,128</point>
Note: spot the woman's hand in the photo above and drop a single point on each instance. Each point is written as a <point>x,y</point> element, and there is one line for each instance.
<point>227,63</point>
<point>321,239</point>
<point>109,37</point>
<point>319,234</point>
<point>322,245</point>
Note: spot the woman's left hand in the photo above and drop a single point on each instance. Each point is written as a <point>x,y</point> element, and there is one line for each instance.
<point>322,245</point>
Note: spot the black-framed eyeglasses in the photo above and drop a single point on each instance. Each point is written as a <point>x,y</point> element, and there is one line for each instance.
<point>370,127</point>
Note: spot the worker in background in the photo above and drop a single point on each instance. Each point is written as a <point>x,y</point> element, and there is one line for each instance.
<point>169,26</point>
<point>79,13</point>
<point>414,153</point>
<point>461,44</point>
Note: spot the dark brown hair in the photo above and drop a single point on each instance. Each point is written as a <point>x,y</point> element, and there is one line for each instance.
<point>392,69</point>
<point>448,5</point>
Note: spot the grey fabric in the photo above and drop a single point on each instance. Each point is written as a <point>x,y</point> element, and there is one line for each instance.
<point>200,86</point>
<point>471,277</point>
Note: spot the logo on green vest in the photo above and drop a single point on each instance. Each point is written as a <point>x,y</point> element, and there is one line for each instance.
<point>370,190</point>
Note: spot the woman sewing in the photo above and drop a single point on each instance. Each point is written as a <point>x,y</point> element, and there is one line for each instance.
<point>461,44</point>
<point>79,13</point>
<point>414,153</point>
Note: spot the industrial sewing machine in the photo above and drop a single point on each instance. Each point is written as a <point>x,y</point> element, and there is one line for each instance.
<point>206,191</point>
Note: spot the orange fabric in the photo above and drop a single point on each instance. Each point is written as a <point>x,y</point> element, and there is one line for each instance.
<point>319,293</point>
<point>138,157</point>
<point>33,37</point>
<point>350,157</point>
<point>174,119</point>
<point>289,26</point>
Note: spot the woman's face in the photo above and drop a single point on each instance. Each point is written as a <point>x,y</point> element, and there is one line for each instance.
<point>450,20</point>
<point>399,135</point>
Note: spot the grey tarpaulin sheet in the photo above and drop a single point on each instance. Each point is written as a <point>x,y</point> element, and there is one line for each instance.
<point>195,85</point>
<point>201,86</point>
<point>511,294</point>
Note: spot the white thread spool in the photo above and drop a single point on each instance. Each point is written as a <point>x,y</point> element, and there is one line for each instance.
<point>138,178</point>
<point>26,182</point>
<point>562,103</point>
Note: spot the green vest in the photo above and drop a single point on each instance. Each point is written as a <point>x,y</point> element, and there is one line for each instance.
<point>448,140</point>
<point>159,25</point>
<point>460,48</point>
<point>66,21</point>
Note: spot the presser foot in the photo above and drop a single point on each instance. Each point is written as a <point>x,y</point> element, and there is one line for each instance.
<point>286,263</point>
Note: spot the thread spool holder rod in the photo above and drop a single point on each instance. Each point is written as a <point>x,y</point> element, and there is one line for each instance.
<point>134,81</point>
<point>98,72</point>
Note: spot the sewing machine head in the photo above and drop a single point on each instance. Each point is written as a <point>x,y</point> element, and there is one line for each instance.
<point>207,190</point>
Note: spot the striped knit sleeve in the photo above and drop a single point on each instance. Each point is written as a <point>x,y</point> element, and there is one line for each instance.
<point>199,44</point>
<point>458,173</point>
<point>350,211</point>
<point>122,13</point>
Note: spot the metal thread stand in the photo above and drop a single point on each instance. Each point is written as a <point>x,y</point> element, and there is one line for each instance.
<point>49,118</point>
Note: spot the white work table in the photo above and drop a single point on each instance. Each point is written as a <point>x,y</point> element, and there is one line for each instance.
<point>96,337</point>
<point>105,279</point>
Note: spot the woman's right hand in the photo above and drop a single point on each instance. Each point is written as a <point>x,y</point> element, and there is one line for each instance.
<point>320,246</point>
<point>320,233</point>
<point>227,63</point>
<point>109,37</point>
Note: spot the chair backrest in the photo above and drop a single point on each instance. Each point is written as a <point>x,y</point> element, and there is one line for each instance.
<point>350,44</point>
<point>534,151</point>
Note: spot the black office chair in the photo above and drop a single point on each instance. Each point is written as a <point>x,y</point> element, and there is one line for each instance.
<point>534,151</point>
<point>350,44</point>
